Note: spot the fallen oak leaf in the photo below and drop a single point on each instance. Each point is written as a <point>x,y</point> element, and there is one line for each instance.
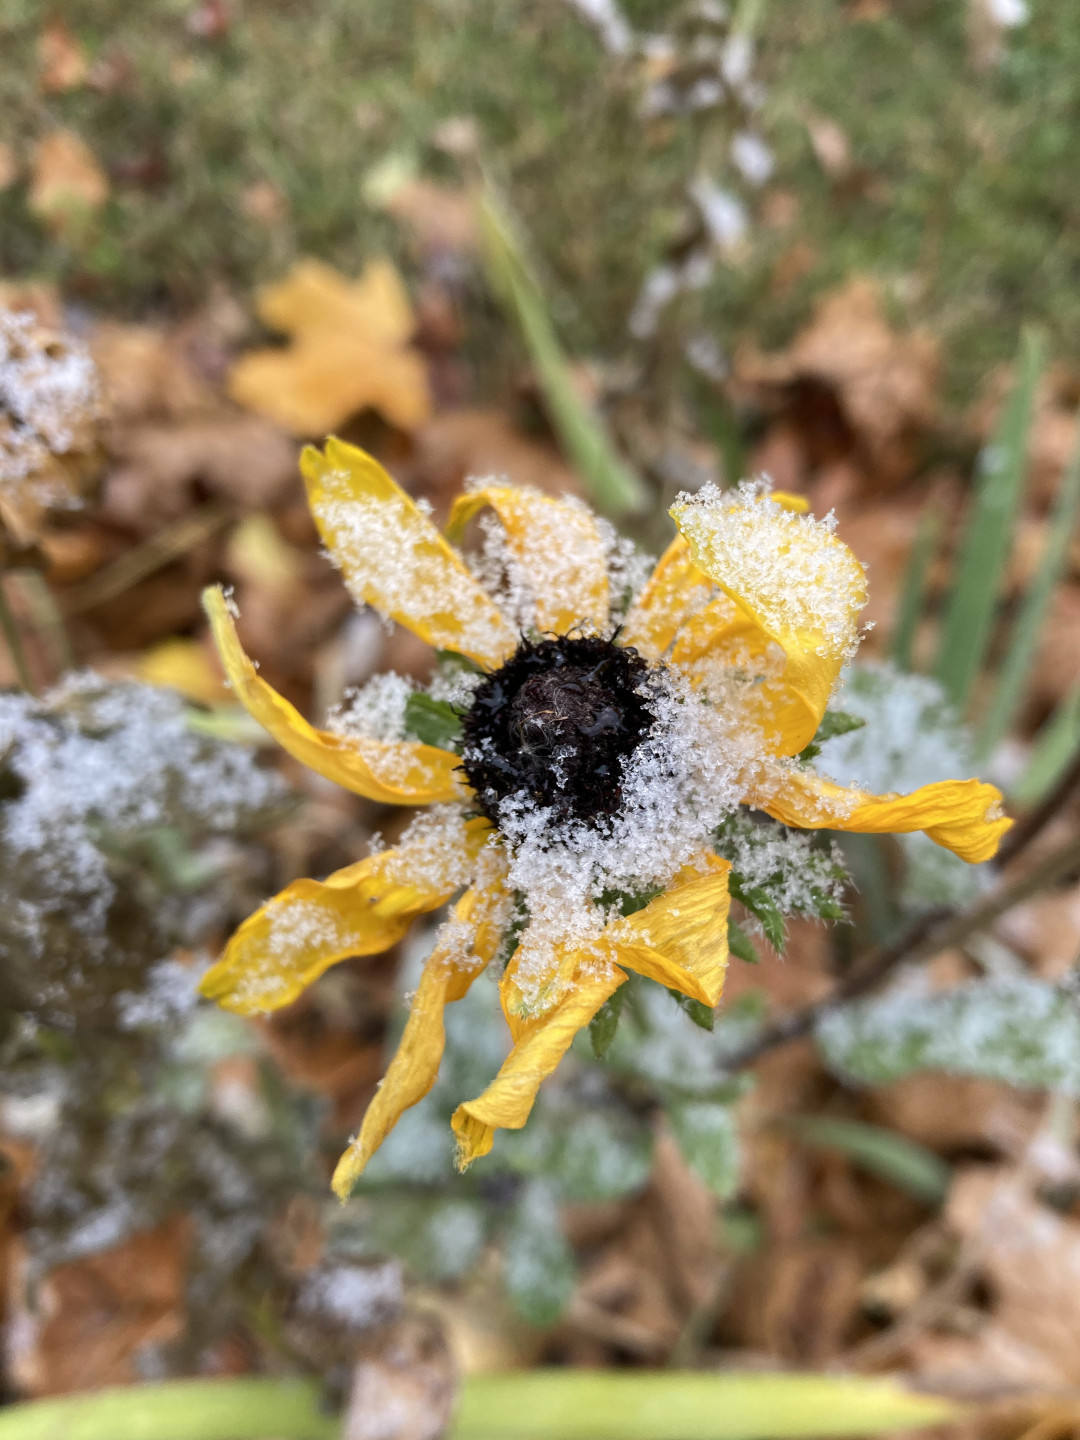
<point>348,351</point>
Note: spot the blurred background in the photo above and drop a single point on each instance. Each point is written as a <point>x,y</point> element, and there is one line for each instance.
<point>616,250</point>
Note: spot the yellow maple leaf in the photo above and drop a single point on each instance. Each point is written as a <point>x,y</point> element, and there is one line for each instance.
<point>348,350</point>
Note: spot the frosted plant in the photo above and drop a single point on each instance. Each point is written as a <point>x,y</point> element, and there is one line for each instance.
<point>102,786</point>
<point>574,801</point>
<point>50,411</point>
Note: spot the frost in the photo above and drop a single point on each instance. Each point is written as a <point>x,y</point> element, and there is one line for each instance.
<point>352,1296</point>
<point>49,402</point>
<point>628,568</point>
<point>374,711</point>
<point>789,571</point>
<point>96,776</point>
<point>678,786</point>
<point>795,874</point>
<point>1020,1031</point>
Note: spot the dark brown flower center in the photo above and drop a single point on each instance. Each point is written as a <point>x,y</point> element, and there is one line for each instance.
<point>555,726</point>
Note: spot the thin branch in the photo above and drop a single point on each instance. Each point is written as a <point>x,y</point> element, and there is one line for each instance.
<point>10,626</point>
<point>135,565</point>
<point>927,936</point>
<point>1035,821</point>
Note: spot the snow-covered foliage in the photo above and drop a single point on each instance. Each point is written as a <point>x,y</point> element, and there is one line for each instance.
<point>115,818</point>
<point>1022,1031</point>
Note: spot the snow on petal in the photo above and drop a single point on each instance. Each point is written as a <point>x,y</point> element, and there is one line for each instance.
<point>557,545</point>
<point>398,772</point>
<point>360,910</point>
<point>394,559</point>
<point>964,816</point>
<point>793,577</point>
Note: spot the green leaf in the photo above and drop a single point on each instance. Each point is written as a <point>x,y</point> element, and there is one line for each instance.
<point>739,943</point>
<point>763,907</point>
<point>432,722</point>
<point>703,1016</point>
<point>833,722</point>
<point>1055,745</point>
<point>1021,1031</point>
<point>913,593</point>
<point>538,1268</point>
<point>438,1237</point>
<point>569,1404</point>
<point>605,1023</point>
<point>609,483</point>
<point>984,550</point>
<point>1020,656</point>
<point>708,1138</point>
<point>598,1154</point>
<point>882,1152</point>
<point>178,1410</point>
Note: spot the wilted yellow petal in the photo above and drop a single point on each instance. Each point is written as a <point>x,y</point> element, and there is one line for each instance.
<point>394,559</point>
<point>395,772</point>
<point>557,545</point>
<point>348,351</point>
<point>361,910</point>
<point>962,815</point>
<point>467,946</point>
<point>680,938</point>
<point>507,1101</point>
<point>797,581</point>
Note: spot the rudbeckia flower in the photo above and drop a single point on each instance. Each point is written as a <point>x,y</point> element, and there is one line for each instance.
<point>593,742</point>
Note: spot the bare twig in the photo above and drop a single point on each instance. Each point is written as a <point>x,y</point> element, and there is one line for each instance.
<point>135,565</point>
<point>931,933</point>
<point>1035,821</point>
<point>10,626</point>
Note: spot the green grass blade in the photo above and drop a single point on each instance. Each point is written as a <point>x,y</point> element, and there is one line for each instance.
<point>882,1152</point>
<point>608,482</point>
<point>177,1410</point>
<point>913,593</point>
<point>984,551</point>
<point>1055,745</point>
<point>1009,693</point>
<point>684,1405</point>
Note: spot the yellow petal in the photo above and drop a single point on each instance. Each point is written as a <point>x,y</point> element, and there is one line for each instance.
<point>470,943</point>
<point>557,545</point>
<point>675,590</point>
<point>675,594</point>
<point>680,938</point>
<point>393,557</point>
<point>962,815</point>
<point>800,585</point>
<point>361,910</point>
<point>507,1101</point>
<point>395,772</point>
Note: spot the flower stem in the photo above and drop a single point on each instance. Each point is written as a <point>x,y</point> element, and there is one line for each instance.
<point>14,643</point>
<point>248,1409</point>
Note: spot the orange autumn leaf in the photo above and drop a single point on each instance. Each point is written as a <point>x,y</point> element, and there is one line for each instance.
<point>349,350</point>
<point>67,180</point>
<point>62,61</point>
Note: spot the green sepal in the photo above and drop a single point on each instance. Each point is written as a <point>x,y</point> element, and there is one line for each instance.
<point>763,907</point>
<point>833,723</point>
<point>703,1016</point>
<point>605,1022</point>
<point>739,943</point>
<point>432,722</point>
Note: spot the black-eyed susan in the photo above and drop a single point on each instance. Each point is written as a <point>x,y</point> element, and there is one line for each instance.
<point>597,742</point>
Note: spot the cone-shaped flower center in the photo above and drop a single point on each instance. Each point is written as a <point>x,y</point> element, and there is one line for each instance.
<point>555,725</point>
